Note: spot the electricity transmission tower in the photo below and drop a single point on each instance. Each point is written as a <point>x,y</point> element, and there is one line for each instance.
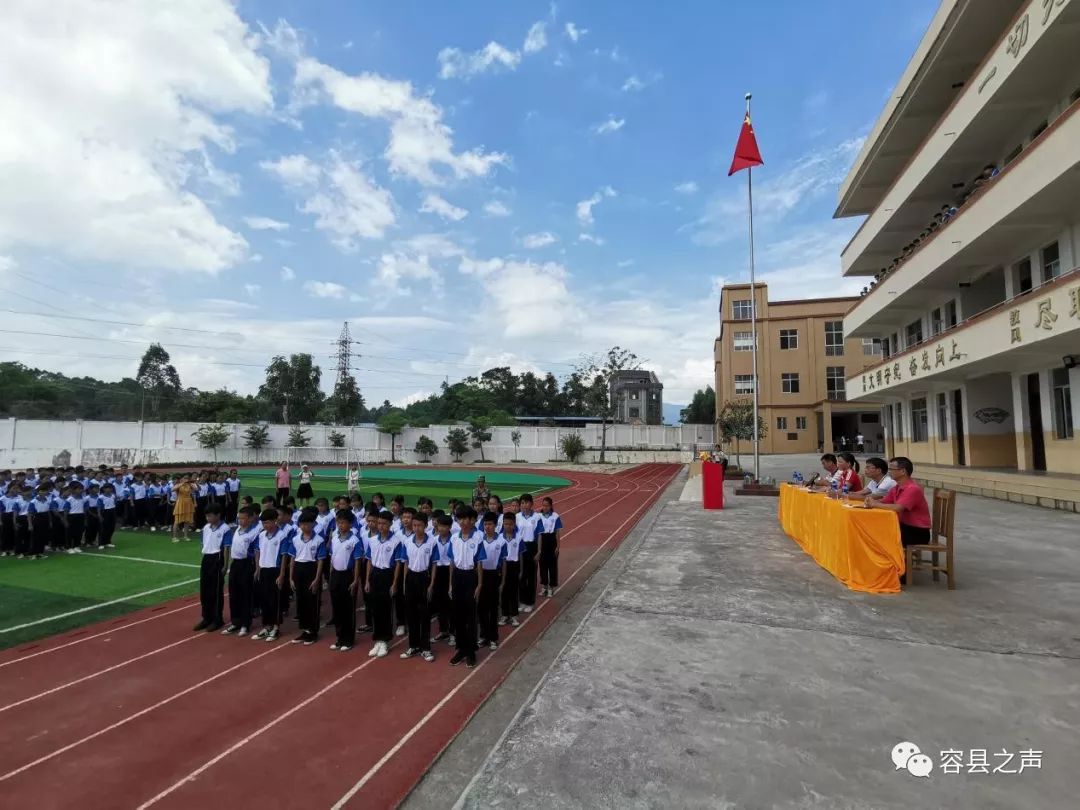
<point>344,383</point>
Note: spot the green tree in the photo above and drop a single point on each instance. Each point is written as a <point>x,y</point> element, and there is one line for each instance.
<point>515,438</point>
<point>426,448</point>
<point>392,424</point>
<point>573,447</point>
<point>292,388</point>
<point>298,437</point>
<point>257,437</point>
<point>480,432</point>
<point>157,377</point>
<point>702,408</point>
<point>735,419</point>
<point>345,406</point>
<point>601,370</point>
<point>457,442</point>
<point>212,437</point>
<point>336,438</point>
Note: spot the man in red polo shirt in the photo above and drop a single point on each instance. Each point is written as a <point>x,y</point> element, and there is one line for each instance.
<point>908,500</point>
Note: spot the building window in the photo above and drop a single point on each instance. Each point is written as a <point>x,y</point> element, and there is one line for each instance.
<point>834,338</point>
<point>789,338</point>
<point>789,383</point>
<point>936,322</point>
<point>1063,417</point>
<point>1051,262</point>
<point>635,413</point>
<point>942,417</point>
<point>781,423</point>
<point>919,429</point>
<point>793,437</point>
<point>913,333</point>
<point>800,423</point>
<point>872,346</point>
<point>633,395</point>
<point>834,383</point>
<point>950,315</point>
<point>744,341</point>
<point>741,310</point>
<point>1023,276</point>
<point>886,348</point>
<point>744,383</point>
<point>898,421</point>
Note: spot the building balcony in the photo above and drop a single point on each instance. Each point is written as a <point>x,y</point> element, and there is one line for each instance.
<point>1028,331</point>
<point>1024,77</point>
<point>1026,204</point>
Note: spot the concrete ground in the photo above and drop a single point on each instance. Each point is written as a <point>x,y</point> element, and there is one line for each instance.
<point>721,667</point>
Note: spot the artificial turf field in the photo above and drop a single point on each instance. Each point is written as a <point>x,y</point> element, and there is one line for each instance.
<point>41,597</point>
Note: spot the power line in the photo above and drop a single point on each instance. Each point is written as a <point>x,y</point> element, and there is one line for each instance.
<point>119,323</point>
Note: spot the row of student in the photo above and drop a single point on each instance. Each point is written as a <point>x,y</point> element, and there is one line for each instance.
<point>472,581</point>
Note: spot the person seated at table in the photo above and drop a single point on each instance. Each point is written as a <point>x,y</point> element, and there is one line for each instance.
<point>828,463</point>
<point>908,500</point>
<point>847,472</point>
<point>878,481</point>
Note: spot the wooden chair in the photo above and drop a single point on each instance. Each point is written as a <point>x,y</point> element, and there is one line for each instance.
<point>941,540</point>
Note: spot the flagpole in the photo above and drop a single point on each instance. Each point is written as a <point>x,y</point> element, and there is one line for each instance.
<point>753,311</point>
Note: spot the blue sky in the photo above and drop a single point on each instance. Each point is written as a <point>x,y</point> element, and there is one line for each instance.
<point>469,184</point>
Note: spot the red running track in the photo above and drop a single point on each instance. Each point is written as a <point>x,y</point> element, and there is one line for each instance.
<point>140,712</point>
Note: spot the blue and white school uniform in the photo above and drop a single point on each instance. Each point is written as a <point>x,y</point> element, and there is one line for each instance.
<point>418,558</point>
<point>7,522</point>
<point>342,551</point>
<point>467,551</point>
<point>242,575</point>
<point>511,588</point>
<point>305,553</point>
<point>215,540</point>
<point>549,526</point>
<point>440,589</point>
<point>488,607</point>
<point>324,524</point>
<point>384,556</point>
<point>269,552</point>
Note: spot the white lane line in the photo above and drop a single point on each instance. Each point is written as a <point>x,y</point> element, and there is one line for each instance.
<point>105,671</point>
<point>138,714</point>
<point>109,556</point>
<point>97,606</point>
<point>449,695</point>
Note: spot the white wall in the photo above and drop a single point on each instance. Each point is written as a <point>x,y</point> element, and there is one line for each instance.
<point>33,443</point>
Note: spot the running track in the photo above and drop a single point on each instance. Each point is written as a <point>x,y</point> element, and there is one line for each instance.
<point>141,712</point>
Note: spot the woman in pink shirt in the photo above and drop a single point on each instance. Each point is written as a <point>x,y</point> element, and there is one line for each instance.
<point>283,479</point>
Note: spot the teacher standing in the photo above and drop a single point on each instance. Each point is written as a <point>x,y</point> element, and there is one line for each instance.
<point>283,481</point>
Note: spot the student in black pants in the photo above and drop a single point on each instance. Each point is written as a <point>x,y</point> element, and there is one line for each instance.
<point>343,551</point>
<point>107,510</point>
<point>8,504</point>
<point>465,588</point>
<point>93,518</point>
<point>404,535</point>
<point>440,586</point>
<point>75,509</point>
<point>270,572</point>
<point>305,577</point>
<point>493,568</point>
<point>549,527</point>
<point>22,523</point>
<point>511,585</point>
<point>528,523</point>
<point>420,554</point>
<point>40,513</point>
<point>384,560</point>
<point>240,571</point>
<point>216,539</point>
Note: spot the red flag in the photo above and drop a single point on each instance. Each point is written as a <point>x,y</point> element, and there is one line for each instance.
<point>746,150</point>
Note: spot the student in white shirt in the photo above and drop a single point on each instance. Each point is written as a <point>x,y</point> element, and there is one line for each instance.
<point>467,548</point>
<point>342,552</point>
<point>419,556</point>
<point>878,481</point>
<point>75,515</point>
<point>511,584</point>
<point>382,584</point>
<point>240,568</point>
<point>232,496</point>
<point>216,539</point>
<point>21,508</point>
<point>368,528</point>
<point>352,481</point>
<point>527,521</point>
<point>440,583</point>
<point>304,492</point>
<point>492,574</point>
<point>107,510</point>
<point>40,514</point>
<point>302,558</point>
<point>270,573</point>
<point>549,526</point>
<point>402,527</point>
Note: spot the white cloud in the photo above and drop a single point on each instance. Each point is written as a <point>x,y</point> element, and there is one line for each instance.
<point>345,203</point>
<point>611,125</point>
<point>548,308</point>
<point>588,237</point>
<point>632,84</point>
<point>287,273</point>
<point>536,39</point>
<point>585,207</point>
<point>265,224</point>
<point>122,108</point>
<point>534,241</point>
<point>393,268</point>
<point>624,263</point>
<point>6,263</point>
<point>574,32</point>
<point>434,204</point>
<point>420,142</point>
<point>456,64</point>
<point>324,289</point>
<point>496,208</point>
<point>689,187</point>
<point>252,289</point>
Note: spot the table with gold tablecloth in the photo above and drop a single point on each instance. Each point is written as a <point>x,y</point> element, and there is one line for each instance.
<point>860,547</point>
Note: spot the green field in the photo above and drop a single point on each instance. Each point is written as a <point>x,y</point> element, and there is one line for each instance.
<point>65,591</point>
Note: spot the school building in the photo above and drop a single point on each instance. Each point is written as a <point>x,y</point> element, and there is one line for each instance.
<point>803,360</point>
<point>970,187</point>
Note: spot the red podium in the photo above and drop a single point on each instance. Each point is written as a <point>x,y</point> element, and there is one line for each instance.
<point>712,485</point>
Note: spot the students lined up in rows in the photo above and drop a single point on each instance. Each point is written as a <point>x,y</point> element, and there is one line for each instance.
<point>404,567</point>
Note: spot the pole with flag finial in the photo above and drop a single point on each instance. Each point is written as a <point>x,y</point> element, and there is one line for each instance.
<point>753,309</point>
<point>747,156</point>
